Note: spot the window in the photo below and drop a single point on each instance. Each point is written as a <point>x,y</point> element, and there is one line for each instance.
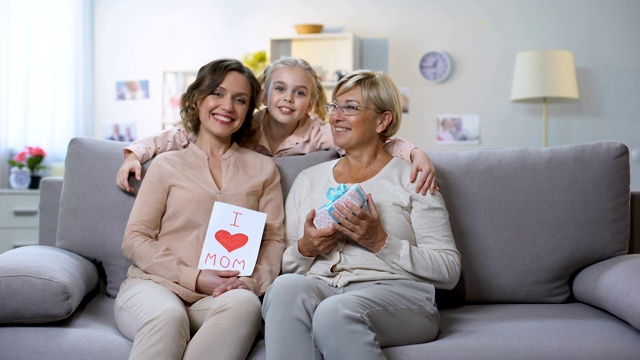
<point>46,79</point>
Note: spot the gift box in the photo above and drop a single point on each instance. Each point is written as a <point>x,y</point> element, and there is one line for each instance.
<point>340,195</point>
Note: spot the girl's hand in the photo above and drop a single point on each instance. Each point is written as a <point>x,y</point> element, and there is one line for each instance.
<point>131,164</point>
<point>421,162</point>
<point>364,228</point>
<point>217,282</point>
<point>314,241</point>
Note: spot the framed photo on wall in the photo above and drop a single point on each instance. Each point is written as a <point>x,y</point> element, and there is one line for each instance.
<point>174,84</point>
<point>120,131</point>
<point>132,90</point>
<point>458,129</point>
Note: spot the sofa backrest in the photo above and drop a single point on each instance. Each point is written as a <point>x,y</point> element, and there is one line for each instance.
<point>525,220</point>
<point>94,211</point>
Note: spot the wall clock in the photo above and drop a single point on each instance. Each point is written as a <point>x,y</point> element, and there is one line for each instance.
<point>435,66</point>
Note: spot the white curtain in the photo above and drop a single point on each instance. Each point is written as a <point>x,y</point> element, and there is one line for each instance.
<point>46,78</point>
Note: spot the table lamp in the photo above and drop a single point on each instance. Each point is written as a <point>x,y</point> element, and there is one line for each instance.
<point>542,75</point>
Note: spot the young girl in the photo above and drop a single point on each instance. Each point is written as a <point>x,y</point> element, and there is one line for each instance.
<point>291,94</point>
<point>167,306</point>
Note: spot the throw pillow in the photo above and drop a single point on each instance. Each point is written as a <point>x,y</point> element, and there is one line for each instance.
<point>40,284</point>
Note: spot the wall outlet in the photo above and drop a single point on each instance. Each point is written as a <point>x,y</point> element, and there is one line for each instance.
<point>635,155</point>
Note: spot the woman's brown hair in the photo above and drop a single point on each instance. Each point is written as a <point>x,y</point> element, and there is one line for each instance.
<point>209,78</point>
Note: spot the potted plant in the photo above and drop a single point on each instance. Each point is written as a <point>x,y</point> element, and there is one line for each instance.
<point>25,168</point>
<point>255,61</point>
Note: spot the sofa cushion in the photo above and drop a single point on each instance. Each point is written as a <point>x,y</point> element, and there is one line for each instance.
<point>93,210</point>
<point>42,284</point>
<point>89,334</point>
<point>525,220</point>
<point>571,331</point>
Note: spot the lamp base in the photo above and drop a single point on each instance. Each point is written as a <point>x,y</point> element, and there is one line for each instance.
<point>544,123</point>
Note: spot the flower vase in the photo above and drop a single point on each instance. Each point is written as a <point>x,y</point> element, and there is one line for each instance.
<point>19,178</point>
<point>35,182</point>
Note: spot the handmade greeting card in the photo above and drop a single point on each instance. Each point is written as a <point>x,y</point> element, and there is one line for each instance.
<point>233,239</point>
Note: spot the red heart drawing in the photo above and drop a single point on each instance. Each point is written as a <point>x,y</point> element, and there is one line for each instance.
<point>231,242</point>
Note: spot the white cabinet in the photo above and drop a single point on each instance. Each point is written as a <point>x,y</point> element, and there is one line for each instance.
<point>326,52</point>
<point>19,215</point>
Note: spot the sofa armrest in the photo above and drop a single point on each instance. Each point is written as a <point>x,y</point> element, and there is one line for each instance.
<point>50,190</point>
<point>612,285</point>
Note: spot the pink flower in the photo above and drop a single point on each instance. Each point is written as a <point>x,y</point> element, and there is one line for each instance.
<point>21,156</point>
<point>36,150</point>
<point>31,157</point>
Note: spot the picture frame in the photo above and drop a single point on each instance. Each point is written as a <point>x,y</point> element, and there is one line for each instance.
<point>458,129</point>
<point>174,84</point>
<point>132,90</point>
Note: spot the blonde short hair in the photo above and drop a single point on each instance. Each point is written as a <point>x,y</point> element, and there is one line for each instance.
<point>378,92</point>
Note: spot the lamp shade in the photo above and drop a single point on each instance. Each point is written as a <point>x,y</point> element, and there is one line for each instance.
<point>544,74</point>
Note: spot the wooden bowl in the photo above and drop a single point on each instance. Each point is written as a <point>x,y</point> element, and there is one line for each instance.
<point>309,28</point>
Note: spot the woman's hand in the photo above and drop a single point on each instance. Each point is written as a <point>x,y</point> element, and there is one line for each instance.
<point>421,162</point>
<point>365,229</point>
<point>217,282</point>
<point>131,164</point>
<point>314,241</point>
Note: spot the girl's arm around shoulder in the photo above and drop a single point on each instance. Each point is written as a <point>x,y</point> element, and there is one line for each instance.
<point>420,163</point>
<point>148,147</point>
<point>142,150</point>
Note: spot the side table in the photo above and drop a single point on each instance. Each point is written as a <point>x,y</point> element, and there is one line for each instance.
<point>19,215</point>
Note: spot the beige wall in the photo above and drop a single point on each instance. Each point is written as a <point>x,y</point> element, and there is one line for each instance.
<point>139,39</point>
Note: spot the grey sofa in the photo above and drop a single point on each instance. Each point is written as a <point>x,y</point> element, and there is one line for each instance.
<point>546,235</point>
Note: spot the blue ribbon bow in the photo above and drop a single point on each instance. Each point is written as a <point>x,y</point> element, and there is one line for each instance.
<point>334,194</point>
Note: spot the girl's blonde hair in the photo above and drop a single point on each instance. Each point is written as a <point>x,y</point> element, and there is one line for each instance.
<point>318,97</point>
<point>378,91</point>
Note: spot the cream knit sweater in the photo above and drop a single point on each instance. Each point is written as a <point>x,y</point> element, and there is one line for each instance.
<point>420,245</point>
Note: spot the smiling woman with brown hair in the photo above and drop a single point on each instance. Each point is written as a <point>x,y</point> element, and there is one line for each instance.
<point>167,306</point>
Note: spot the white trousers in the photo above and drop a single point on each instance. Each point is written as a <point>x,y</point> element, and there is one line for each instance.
<point>162,326</point>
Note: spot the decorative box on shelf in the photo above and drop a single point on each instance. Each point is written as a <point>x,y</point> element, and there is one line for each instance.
<point>19,216</point>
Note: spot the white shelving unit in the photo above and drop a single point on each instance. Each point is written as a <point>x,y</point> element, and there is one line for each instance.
<point>326,52</point>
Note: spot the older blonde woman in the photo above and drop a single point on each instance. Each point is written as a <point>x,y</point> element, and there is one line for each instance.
<point>368,281</point>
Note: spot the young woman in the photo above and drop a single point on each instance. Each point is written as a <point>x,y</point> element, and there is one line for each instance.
<point>167,306</point>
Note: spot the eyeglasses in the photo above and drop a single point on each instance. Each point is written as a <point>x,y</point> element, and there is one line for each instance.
<point>347,110</point>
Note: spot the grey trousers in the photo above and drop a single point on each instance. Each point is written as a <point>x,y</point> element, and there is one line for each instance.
<point>305,318</point>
